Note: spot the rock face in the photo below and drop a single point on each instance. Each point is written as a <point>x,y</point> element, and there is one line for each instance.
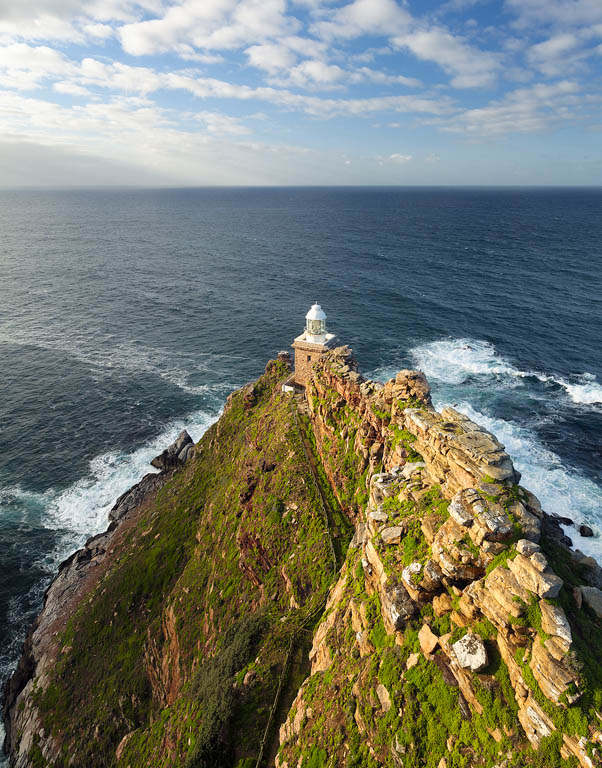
<point>176,454</point>
<point>447,545</point>
<point>451,623</point>
<point>593,598</point>
<point>77,576</point>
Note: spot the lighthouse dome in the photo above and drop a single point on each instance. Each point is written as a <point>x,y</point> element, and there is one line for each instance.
<point>316,313</point>
<point>315,324</point>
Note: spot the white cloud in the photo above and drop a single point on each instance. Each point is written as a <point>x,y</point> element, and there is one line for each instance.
<point>561,54</point>
<point>524,110</point>
<point>564,13</point>
<point>98,31</point>
<point>397,158</point>
<point>66,20</point>
<point>210,24</point>
<point>71,89</point>
<point>271,57</point>
<point>26,67</point>
<point>363,17</point>
<point>469,66</point>
<point>222,125</point>
<point>315,73</point>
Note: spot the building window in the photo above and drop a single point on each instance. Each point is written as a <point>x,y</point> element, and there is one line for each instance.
<point>309,357</point>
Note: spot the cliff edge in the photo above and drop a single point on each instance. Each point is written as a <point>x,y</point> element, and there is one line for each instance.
<point>348,579</point>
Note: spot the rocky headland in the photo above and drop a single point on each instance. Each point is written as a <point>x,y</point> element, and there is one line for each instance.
<point>348,578</point>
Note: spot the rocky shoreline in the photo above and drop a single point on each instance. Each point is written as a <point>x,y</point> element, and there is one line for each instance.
<point>459,596</point>
<point>76,576</point>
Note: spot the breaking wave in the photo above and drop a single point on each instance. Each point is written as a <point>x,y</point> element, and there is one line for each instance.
<point>81,509</point>
<point>454,361</point>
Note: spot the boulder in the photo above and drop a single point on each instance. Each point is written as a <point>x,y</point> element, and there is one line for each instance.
<point>554,622</point>
<point>442,604</point>
<point>428,640</point>
<point>536,576</point>
<point>413,384</point>
<point>526,547</point>
<point>392,535</point>
<point>470,652</point>
<point>377,515</point>
<point>585,530</point>
<point>553,676</point>
<point>529,522</point>
<point>593,598</point>
<point>396,606</point>
<point>175,454</point>
<point>383,697</point>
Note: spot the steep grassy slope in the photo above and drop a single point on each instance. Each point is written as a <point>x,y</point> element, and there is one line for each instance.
<point>176,656</point>
<point>449,626</point>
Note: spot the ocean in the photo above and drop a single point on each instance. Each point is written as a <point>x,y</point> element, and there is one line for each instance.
<point>126,316</point>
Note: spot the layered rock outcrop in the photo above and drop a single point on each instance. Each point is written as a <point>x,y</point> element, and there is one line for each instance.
<point>452,561</point>
<point>460,630</point>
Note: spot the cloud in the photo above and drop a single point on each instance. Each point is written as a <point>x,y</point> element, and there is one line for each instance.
<point>71,89</point>
<point>98,31</point>
<point>210,24</point>
<point>365,74</point>
<point>66,20</point>
<point>312,73</point>
<point>220,124</point>
<point>561,54</point>
<point>524,110</point>
<point>397,158</point>
<point>469,66</point>
<point>363,17</point>
<point>271,57</point>
<point>26,67</point>
<point>562,13</point>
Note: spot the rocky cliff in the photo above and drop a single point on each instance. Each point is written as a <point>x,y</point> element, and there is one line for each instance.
<point>349,580</point>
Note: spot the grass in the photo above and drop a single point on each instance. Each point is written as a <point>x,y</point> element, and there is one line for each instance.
<point>199,561</point>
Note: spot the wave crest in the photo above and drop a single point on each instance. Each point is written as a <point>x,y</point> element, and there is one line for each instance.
<point>454,361</point>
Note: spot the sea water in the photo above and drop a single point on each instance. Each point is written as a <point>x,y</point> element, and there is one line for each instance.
<point>126,316</point>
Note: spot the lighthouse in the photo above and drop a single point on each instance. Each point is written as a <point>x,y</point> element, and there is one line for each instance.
<point>314,342</point>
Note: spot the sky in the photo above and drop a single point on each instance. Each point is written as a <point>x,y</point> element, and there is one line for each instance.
<point>279,92</point>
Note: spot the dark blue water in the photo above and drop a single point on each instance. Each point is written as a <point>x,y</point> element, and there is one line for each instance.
<point>126,315</point>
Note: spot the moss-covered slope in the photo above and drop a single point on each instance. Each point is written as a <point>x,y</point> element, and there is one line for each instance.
<point>346,579</point>
<point>175,656</point>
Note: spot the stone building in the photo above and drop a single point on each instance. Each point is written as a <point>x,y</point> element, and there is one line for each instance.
<point>311,344</point>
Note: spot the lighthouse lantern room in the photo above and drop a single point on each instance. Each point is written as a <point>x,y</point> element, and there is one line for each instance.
<point>314,342</point>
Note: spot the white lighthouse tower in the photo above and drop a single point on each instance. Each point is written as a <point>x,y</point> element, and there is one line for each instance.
<point>311,344</point>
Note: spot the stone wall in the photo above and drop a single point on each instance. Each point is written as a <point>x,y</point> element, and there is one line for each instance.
<point>306,356</point>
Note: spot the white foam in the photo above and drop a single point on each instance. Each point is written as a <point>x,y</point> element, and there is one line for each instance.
<point>589,392</point>
<point>454,361</point>
<point>82,508</point>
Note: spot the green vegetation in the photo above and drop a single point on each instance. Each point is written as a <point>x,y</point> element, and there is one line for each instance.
<point>194,644</point>
<point>203,579</point>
